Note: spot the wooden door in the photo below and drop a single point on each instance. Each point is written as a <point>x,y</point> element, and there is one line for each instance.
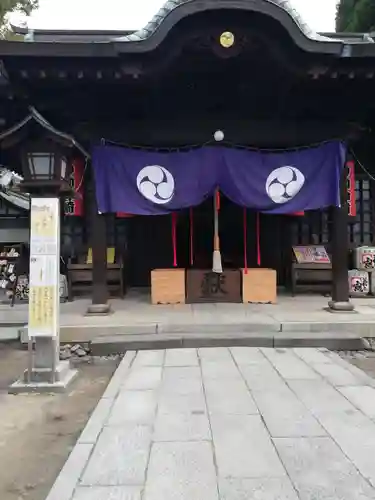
<point>149,247</point>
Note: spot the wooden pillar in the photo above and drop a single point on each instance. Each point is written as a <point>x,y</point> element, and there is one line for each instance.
<point>340,253</point>
<point>100,294</point>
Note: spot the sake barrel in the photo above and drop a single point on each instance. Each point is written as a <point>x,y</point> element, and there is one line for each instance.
<point>365,258</point>
<point>372,282</point>
<point>359,283</point>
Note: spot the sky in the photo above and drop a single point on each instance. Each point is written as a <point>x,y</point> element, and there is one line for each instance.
<point>134,14</point>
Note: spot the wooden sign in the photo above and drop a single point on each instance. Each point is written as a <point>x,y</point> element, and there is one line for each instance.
<point>350,186</point>
<point>311,254</point>
<point>206,286</point>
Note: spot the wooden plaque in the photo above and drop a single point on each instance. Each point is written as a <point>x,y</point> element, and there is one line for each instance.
<point>311,254</point>
<point>202,285</point>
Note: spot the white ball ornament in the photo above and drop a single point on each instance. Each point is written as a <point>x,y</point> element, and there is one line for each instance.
<point>219,135</point>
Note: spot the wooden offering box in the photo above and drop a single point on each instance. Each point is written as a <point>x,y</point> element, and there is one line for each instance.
<point>205,286</point>
<point>259,286</point>
<point>168,286</point>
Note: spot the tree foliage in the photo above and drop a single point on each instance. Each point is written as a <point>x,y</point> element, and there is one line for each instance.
<point>356,16</point>
<point>9,6</point>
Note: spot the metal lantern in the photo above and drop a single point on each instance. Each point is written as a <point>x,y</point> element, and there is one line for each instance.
<point>46,165</point>
<point>46,154</point>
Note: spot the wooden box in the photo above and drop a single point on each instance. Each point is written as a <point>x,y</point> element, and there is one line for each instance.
<point>259,286</point>
<point>168,286</point>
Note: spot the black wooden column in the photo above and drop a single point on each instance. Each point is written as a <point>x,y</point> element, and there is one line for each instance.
<point>100,294</point>
<point>340,252</point>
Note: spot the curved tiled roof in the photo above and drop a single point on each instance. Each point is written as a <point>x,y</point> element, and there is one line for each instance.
<point>171,5</point>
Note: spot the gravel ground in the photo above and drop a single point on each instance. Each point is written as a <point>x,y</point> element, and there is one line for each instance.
<point>37,432</point>
<point>365,360</point>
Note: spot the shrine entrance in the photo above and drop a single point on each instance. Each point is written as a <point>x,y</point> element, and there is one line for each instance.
<point>150,246</point>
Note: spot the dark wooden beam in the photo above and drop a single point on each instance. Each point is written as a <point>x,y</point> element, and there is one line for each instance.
<point>340,252</point>
<point>99,304</point>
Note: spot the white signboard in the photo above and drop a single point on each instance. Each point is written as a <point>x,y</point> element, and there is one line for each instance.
<point>44,301</point>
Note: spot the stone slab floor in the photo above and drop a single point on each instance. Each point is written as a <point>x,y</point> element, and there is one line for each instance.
<point>228,424</point>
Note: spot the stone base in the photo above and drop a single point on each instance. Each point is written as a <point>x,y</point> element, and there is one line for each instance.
<point>340,307</point>
<point>23,333</point>
<point>40,380</point>
<point>98,310</point>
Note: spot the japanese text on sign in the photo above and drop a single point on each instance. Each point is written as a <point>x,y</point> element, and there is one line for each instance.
<point>44,267</point>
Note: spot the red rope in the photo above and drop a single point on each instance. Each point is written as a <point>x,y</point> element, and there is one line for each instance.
<point>191,215</point>
<point>245,238</point>
<point>258,239</point>
<point>174,238</point>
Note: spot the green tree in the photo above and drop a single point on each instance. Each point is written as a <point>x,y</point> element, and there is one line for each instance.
<point>355,16</point>
<point>9,6</point>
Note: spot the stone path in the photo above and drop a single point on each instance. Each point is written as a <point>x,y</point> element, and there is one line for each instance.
<point>228,424</point>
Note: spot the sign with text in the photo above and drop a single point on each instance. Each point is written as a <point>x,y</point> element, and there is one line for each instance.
<point>44,300</point>
<point>311,254</point>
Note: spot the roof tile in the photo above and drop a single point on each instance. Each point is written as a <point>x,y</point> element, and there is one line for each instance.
<point>170,5</point>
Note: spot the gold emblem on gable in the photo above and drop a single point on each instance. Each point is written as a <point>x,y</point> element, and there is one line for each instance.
<point>227,39</point>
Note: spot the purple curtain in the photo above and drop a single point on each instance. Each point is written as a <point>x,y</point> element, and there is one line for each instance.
<point>151,183</point>
<point>284,182</point>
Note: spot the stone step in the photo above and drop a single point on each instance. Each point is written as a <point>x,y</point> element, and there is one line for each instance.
<point>10,331</point>
<point>116,344</point>
<point>86,333</point>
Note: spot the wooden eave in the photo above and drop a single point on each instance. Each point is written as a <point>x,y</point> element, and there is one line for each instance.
<point>136,69</point>
<point>57,50</point>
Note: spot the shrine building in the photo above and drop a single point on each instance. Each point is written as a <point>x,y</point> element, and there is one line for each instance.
<point>206,86</point>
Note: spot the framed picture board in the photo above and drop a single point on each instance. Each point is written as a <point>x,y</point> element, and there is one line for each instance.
<point>311,254</point>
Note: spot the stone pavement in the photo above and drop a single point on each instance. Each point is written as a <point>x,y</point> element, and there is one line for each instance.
<point>135,315</point>
<point>228,424</point>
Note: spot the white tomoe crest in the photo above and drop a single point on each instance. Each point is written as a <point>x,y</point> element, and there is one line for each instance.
<point>284,183</point>
<point>156,184</point>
